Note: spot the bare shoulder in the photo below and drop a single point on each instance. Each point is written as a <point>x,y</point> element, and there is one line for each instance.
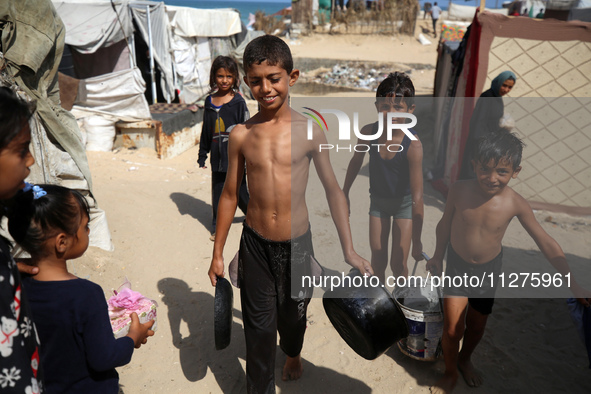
<point>297,117</point>
<point>302,133</point>
<point>239,131</point>
<point>367,129</point>
<point>517,201</point>
<point>417,142</point>
<point>253,120</point>
<point>255,123</point>
<point>299,126</point>
<point>298,120</point>
<point>416,147</point>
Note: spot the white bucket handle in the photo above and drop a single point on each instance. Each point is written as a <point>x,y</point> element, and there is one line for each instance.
<point>426,257</point>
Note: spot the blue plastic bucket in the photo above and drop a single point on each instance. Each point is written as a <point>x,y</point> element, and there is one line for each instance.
<point>423,311</point>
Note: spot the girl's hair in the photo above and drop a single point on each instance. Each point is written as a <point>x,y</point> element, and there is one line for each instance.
<point>230,65</point>
<point>14,113</point>
<point>397,84</point>
<point>34,218</point>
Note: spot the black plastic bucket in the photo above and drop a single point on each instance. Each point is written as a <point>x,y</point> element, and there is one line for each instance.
<point>366,317</point>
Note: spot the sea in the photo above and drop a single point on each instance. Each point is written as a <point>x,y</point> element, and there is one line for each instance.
<point>270,7</point>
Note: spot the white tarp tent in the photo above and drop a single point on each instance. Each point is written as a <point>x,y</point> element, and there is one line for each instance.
<point>466,13</point>
<point>100,34</point>
<point>193,22</point>
<point>581,12</point>
<point>190,32</point>
<point>93,25</point>
<point>177,36</point>
<point>113,95</point>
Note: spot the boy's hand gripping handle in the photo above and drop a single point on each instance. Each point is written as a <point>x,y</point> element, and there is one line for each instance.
<point>426,257</point>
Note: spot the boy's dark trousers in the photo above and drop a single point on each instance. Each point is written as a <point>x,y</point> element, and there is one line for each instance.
<point>217,185</point>
<point>265,271</point>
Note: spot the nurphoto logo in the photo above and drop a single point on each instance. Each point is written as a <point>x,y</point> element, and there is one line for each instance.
<point>345,129</point>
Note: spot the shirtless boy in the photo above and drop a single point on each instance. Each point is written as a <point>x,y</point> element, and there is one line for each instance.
<point>476,216</point>
<point>277,216</point>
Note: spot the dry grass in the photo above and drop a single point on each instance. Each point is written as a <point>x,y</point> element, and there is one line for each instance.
<point>385,17</point>
<point>268,23</point>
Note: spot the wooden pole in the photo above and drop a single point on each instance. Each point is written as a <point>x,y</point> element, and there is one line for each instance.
<point>333,3</point>
<point>482,4</point>
<point>295,12</point>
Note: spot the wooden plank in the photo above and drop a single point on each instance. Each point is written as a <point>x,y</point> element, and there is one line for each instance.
<point>178,142</point>
<point>148,133</point>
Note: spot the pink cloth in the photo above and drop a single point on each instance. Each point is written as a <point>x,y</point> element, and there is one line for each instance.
<point>125,299</point>
<point>125,302</point>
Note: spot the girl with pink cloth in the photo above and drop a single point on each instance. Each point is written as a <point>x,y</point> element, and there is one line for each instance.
<point>79,352</point>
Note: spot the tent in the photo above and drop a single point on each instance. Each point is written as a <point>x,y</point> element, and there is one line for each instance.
<point>581,12</point>
<point>100,34</point>
<point>191,33</point>
<point>549,104</point>
<point>32,38</point>
<point>118,47</point>
<point>178,45</point>
<point>459,12</point>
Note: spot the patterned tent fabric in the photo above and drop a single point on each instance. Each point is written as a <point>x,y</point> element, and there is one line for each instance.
<point>549,104</point>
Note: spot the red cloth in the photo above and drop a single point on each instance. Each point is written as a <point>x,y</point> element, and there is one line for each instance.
<point>470,91</point>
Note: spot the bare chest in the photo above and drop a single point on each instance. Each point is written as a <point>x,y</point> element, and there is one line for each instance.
<point>265,152</point>
<point>489,217</point>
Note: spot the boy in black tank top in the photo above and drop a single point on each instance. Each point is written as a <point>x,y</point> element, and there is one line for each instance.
<point>396,181</point>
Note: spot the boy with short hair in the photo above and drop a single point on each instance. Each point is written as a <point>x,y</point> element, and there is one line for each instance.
<point>477,214</point>
<point>395,181</point>
<point>277,216</point>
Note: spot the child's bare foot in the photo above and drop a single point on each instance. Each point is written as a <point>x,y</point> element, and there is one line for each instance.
<point>293,368</point>
<point>472,378</point>
<point>445,385</point>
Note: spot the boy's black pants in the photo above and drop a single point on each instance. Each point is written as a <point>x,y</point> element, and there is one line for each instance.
<point>265,268</point>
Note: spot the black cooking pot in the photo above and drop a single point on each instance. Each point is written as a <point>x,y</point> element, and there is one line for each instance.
<point>366,317</point>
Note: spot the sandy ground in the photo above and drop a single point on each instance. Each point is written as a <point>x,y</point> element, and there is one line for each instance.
<point>404,52</point>
<point>159,214</point>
